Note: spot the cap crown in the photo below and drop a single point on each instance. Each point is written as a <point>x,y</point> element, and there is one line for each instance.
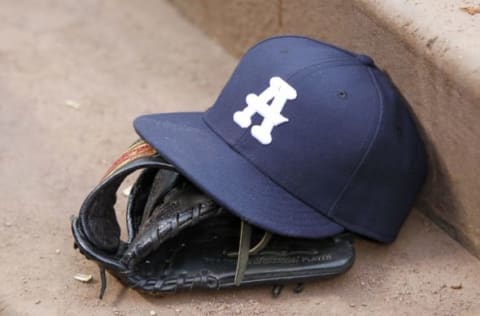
<point>327,126</point>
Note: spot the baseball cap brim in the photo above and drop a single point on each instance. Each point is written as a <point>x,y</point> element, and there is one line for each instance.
<point>186,141</point>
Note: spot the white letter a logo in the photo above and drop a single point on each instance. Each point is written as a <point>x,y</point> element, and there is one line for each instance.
<point>279,92</point>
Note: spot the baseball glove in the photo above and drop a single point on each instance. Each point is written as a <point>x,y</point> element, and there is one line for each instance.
<point>180,238</point>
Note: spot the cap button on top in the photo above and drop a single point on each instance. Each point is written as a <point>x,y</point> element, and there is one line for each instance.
<point>366,60</point>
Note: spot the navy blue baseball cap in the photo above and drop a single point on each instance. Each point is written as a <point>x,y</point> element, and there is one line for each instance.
<point>306,140</point>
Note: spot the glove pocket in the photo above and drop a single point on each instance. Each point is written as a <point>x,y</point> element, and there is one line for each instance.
<point>203,256</point>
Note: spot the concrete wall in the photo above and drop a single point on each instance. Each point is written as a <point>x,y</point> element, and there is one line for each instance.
<point>431,49</point>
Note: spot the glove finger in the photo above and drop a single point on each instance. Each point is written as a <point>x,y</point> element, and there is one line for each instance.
<point>97,214</point>
<point>183,206</point>
<point>147,192</point>
<point>137,200</point>
<point>163,183</point>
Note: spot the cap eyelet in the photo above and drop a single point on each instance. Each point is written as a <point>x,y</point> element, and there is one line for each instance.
<point>342,94</point>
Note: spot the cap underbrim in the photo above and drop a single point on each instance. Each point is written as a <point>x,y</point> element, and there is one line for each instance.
<point>185,140</point>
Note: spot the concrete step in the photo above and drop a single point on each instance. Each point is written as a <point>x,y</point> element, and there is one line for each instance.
<point>74,76</point>
<point>430,48</point>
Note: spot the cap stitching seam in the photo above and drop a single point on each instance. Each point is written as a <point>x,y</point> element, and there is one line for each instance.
<point>369,148</point>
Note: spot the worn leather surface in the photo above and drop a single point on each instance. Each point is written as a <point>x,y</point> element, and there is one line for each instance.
<point>180,238</point>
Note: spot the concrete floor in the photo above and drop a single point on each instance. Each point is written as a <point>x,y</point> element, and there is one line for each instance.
<point>73,76</point>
